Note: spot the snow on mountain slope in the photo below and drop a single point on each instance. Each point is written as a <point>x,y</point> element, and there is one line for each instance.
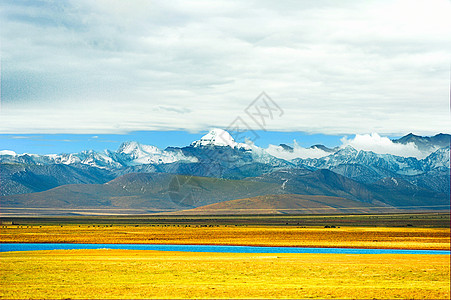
<point>26,158</point>
<point>133,154</point>
<point>351,156</point>
<point>219,146</point>
<point>136,149</point>
<point>219,137</point>
<point>216,137</point>
<point>128,154</point>
<point>7,152</point>
<point>440,159</point>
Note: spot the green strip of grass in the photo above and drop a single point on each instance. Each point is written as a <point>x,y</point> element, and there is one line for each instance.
<point>436,220</point>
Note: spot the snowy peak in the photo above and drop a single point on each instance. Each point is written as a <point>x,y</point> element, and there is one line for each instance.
<point>438,159</point>
<point>347,151</point>
<point>8,152</point>
<point>216,137</point>
<point>134,153</point>
<point>128,147</point>
<point>136,149</point>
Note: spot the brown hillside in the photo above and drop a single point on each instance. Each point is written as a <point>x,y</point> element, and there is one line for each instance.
<point>287,204</point>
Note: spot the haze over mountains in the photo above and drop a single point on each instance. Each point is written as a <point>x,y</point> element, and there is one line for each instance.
<point>216,168</point>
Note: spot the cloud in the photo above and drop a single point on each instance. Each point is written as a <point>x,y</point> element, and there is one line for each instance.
<point>366,142</point>
<point>180,110</point>
<point>298,152</point>
<point>20,137</point>
<point>383,145</point>
<point>111,67</point>
<point>41,138</point>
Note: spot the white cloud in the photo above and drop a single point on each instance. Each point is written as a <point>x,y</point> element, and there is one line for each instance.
<point>383,145</point>
<point>110,66</point>
<point>298,152</point>
<point>366,142</point>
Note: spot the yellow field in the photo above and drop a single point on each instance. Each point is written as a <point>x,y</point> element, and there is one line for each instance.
<point>152,274</point>
<point>357,237</point>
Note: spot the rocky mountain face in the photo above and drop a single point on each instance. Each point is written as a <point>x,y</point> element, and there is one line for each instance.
<point>380,179</point>
<point>19,178</point>
<point>162,192</point>
<point>369,167</point>
<point>426,143</point>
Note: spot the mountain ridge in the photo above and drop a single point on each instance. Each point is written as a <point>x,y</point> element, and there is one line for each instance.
<point>287,204</point>
<point>348,173</point>
<point>160,192</point>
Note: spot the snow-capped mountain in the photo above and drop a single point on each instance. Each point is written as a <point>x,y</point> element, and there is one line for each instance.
<point>134,154</point>
<point>219,146</point>
<point>349,155</point>
<point>218,149</point>
<point>128,154</point>
<point>217,154</point>
<point>367,166</point>
<point>219,137</point>
<point>440,159</point>
<point>426,143</point>
<point>89,157</point>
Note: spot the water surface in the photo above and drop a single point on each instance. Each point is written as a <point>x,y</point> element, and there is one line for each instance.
<point>6,247</point>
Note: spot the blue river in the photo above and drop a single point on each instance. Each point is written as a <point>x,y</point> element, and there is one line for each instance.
<point>6,247</point>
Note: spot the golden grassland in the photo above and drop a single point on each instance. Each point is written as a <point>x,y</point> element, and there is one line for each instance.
<point>152,274</point>
<point>351,237</point>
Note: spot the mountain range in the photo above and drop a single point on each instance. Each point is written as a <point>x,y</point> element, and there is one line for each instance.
<point>217,169</point>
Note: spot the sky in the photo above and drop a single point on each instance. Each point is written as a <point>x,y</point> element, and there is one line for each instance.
<point>72,143</point>
<point>124,68</point>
